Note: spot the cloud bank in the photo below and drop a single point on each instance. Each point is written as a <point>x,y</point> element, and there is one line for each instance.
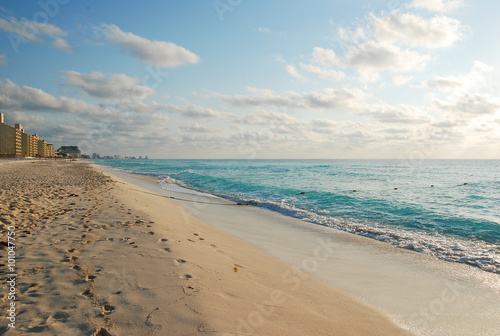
<point>114,86</point>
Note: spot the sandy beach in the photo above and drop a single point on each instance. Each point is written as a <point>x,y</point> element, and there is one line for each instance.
<point>96,255</point>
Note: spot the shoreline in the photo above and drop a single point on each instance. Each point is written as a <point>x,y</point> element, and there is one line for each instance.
<point>98,255</point>
<point>465,241</point>
<point>452,299</point>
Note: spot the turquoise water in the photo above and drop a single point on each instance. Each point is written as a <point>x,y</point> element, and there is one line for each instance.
<point>449,209</point>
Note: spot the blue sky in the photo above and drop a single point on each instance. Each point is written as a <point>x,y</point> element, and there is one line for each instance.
<point>415,79</point>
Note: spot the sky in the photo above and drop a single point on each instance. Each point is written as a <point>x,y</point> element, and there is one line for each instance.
<point>241,79</point>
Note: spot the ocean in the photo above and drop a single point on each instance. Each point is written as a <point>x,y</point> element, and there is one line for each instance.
<point>446,208</point>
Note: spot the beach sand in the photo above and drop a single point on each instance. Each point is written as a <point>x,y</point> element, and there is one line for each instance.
<point>97,255</point>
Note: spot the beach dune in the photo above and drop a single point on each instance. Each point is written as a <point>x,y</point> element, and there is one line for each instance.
<point>96,255</point>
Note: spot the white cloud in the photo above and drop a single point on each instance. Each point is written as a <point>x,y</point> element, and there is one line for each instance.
<point>368,76</point>
<point>446,83</point>
<point>436,5</point>
<point>382,56</point>
<point>62,44</point>
<point>400,114</point>
<point>265,117</point>
<point>32,31</point>
<point>479,79</point>
<point>114,86</point>
<point>197,96</point>
<point>323,60</point>
<point>449,123</point>
<point>109,134</point>
<point>386,43</point>
<point>353,36</point>
<point>335,99</point>
<point>15,97</point>
<point>326,57</point>
<point>416,31</point>
<point>264,30</point>
<point>188,110</point>
<point>324,123</point>
<point>165,54</point>
<point>470,104</point>
<point>194,111</point>
<point>143,127</point>
<point>322,72</point>
<point>3,59</point>
<point>197,128</point>
<point>292,71</point>
<point>28,120</point>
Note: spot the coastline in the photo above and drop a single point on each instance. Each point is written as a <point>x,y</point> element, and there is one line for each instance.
<point>422,293</point>
<point>99,255</point>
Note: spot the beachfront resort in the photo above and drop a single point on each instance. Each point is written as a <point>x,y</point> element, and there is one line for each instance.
<point>15,143</point>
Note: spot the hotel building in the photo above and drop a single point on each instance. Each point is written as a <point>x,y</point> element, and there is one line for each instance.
<point>15,143</point>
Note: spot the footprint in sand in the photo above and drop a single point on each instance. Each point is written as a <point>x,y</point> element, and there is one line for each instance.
<point>38,329</point>
<point>186,276</point>
<point>167,249</point>
<point>108,309</point>
<point>179,261</point>
<point>88,292</point>
<point>90,278</point>
<point>103,332</point>
<point>189,290</point>
<point>61,316</point>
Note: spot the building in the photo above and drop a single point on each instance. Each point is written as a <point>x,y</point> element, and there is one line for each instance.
<point>51,151</point>
<point>15,143</point>
<point>42,148</point>
<point>29,145</point>
<point>34,145</point>
<point>10,139</point>
<point>70,150</point>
